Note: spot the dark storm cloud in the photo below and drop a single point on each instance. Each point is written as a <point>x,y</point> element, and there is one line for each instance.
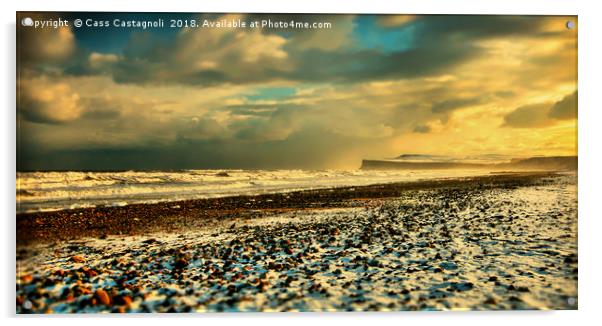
<point>101,109</point>
<point>473,27</point>
<point>440,43</point>
<point>149,61</point>
<point>343,65</point>
<point>303,149</point>
<point>49,102</point>
<point>455,104</point>
<point>201,128</point>
<point>543,114</point>
<point>41,102</point>
<point>367,65</point>
<point>565,108</point>
<point>279,125</point>
<point>529,116</point>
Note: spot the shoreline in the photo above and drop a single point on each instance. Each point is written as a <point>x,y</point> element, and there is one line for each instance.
<point>137,219</point>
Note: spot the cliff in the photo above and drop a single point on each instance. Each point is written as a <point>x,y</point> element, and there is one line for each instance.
<point>553,163</point>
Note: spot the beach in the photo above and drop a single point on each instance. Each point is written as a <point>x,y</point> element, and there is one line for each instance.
<point>500,241</point>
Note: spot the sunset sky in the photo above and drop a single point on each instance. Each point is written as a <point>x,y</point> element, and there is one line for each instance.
<point>369,87</point>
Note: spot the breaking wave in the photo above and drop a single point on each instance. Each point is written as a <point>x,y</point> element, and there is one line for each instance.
<point>43,191</point>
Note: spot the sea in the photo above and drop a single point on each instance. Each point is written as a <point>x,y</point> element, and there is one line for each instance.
<point>53,190</point>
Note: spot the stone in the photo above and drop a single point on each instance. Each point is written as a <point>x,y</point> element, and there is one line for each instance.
<point>77,259</point>
<point>103,297</point>
<point>448,265</point>
<point>123,300</point>
<point>181,263</point>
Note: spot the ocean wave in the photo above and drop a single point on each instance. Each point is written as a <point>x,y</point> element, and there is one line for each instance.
<point>40,191</point>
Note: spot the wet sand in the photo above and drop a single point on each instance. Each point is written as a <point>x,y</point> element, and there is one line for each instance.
<point>497,242</point>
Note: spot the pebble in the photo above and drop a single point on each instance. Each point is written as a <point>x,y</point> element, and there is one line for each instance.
<point>77,259</point>
<point>103,297</point>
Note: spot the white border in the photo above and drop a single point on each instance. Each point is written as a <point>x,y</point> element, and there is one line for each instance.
<point>536,7</point>
<point>590,275</point>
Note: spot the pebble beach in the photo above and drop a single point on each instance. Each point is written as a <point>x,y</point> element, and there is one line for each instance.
<point>498,242</point>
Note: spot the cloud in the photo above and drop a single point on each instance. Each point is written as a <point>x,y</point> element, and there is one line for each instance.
<point>202,128</point>
<point>543,114</point>
<point>102,108</point>
<point>395,20</point>
<point>234,56</point>
<point>300,98</point>
<point>302,149</point>
<point>202,57</point>
<point>528,116</point>
<point>565,108</point>
<point>423,129</point>
<point>47,101</point>
<point>45,45</point>
<point>102,62</point>
<point>369,65</point>
<point>455,104</point>
<point>218,56</point>
<point>474,27</point>
<point>278,125</point>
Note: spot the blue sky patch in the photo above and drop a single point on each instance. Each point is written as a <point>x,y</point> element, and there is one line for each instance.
<point>371,35</point>
<point>272,93</point>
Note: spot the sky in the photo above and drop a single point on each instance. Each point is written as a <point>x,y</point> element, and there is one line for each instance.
<point>370,87</point>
